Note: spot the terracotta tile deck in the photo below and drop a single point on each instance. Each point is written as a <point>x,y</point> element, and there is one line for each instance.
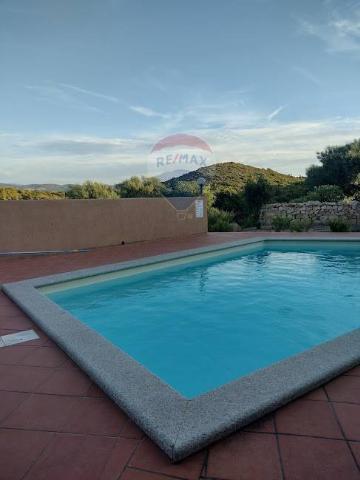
<point>55,424</point>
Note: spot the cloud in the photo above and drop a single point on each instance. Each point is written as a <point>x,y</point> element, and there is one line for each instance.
<point>305,73</point>
<point>91,93</point>
<point>289,147</point>
<point>227,111</point>
<point>79,145</point>
<point>276,112</point>
<point>56,95</point>
<point>148,112</point>
<point>340,29</point>
<point>72,96</point>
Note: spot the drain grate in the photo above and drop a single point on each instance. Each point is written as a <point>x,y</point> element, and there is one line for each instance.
<point>18,337</point>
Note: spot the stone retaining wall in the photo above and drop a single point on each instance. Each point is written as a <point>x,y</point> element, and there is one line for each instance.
<point>319,213</point>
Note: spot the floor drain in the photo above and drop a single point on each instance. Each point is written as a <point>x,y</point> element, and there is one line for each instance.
<point>18,337</point>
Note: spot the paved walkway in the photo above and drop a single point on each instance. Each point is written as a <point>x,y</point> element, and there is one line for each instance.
<point>55,424</point>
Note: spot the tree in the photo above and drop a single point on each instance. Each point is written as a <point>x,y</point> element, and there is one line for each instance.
<point>209,195</point>
<point>326,193</point>
<point>256,193</point>
<point>340,165</point>
<point>219,220</point>
<point>75,191</point>
<point>186,188</point>
<point>91,190</point>
<point>136,187</point>
<point>229,200</point>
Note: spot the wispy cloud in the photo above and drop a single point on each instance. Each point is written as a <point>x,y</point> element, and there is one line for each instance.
<point>59,96</point>
<point>147,112</point>
<point>91,93</point>
<point>305,73</point>
<point>340,29</point>
<point>275,113</point>
<point>72,96</point>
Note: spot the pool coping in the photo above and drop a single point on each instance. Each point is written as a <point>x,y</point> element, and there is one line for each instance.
<point>178,425</point>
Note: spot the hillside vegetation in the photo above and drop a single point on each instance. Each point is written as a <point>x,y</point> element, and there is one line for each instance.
<point>232,176</point>
<point>11,193</point>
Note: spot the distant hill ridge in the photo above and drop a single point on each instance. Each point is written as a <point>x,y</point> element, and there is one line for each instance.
<point>231,175</point>
<point>43,187</point>
<point>220,176</point>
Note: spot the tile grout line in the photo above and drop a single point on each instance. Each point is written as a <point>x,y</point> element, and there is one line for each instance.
<point>204,469</point>
<point>15,408</point>
<point>108,459</point>
<point>33,463</point>
<point>64,432</point>
<point>120,435</point>
<point>166,475</point>
<point>140,442</point>
<point>342,430</point>
<point>106,396</point>
<point>282,469</point>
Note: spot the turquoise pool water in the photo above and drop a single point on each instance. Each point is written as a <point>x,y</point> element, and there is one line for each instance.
<point>203,324</point>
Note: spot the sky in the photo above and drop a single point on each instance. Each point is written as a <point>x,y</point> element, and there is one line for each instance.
<point>87,87</point>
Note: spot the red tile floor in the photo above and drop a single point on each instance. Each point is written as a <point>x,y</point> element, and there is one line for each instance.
<point>55,424</point>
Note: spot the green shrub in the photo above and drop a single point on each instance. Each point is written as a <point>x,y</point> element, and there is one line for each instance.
<point>91,190</point>
<point>250,220</point>
<point>280,222</point>
<point>322,193</point>
<point>186,189</point>
<point>11,193</point>
<point>339,225</point>
<point>328,193</point>
<point>300,225</point>
<point>220,221</point>
<point>141,187</point>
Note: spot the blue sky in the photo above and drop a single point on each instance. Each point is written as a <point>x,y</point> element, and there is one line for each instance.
<point>88,86</point>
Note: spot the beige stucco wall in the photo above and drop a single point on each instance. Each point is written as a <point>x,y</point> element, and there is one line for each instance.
<point>36,225</point>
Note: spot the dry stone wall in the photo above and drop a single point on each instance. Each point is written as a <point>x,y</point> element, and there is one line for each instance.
<point>319,212</point>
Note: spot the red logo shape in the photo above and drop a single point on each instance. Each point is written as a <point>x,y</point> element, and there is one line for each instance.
<point>181,139</point>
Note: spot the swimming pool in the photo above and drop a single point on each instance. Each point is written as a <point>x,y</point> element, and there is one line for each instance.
<point>195,344</point>
<point>205,323</point>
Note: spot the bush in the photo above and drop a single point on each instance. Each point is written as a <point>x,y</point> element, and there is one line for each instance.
<point>300,225</point>
<point>250,221</point>
<point>323,193</point>
<point>10,193</point>
<point>186,189</point>
<point>327,193</point>
<point>287,193</point>
<point>220,221</point>
<point>339,225</point>
<point>210,196</point>
<point>340,165</point>
<point>91,190</point>
<point>141,187</point>
<point>280,222</point>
